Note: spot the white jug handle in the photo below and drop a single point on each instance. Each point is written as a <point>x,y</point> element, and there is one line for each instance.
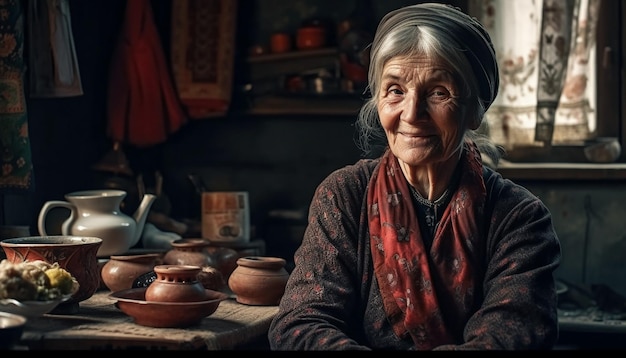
<point>45,209</point>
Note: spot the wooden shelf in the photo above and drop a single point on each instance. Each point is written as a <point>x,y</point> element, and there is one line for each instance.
<point>563,171</point>
<point>304,105</point>
<point>274,65</point>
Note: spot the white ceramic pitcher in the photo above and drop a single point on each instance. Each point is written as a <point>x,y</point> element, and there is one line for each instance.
<point>97,213</point>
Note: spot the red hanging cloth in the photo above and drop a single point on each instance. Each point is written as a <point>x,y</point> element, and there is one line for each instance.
<point>142,105</point>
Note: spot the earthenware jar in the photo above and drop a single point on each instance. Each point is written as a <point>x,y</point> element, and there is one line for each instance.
<point>259,280</point>
<point>121,271</point>
<point>189,252</point>
<point>200,252</point>
<point>176,283</point>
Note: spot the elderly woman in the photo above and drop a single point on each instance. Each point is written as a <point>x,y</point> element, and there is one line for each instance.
<point>424,247</point>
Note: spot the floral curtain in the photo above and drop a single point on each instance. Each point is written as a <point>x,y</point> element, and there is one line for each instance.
<point>546,53</point>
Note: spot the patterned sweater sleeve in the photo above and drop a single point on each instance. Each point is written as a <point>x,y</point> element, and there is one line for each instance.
<point>321,297</point>
<point>519,310</point>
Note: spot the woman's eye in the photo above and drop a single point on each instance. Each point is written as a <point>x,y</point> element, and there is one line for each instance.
<point>394,90</point>
<point>438,94</point>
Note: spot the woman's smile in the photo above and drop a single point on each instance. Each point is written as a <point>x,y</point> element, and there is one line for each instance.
<point>416,139</point>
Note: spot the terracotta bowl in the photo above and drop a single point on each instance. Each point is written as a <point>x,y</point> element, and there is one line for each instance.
<point>76,254</point>
<point>165,314</point>
<point>11,329</point>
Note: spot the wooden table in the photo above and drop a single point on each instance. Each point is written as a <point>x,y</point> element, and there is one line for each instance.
<point>99,325</point>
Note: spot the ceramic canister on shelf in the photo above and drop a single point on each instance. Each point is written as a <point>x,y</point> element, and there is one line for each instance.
<point>280,42</point>
<point>226,217</point>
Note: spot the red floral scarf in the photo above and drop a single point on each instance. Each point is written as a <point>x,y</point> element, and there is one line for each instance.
<point>429,295</point>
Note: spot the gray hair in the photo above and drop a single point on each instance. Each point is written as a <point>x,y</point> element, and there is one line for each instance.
<point>442,32</point>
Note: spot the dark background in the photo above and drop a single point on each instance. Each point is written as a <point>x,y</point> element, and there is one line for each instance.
<point>278,159</point>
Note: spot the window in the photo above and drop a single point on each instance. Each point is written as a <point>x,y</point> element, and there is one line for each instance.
<point>524,118</point>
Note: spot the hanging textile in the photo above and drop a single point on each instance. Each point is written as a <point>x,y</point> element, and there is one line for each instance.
<point>546,54</point>
<point>16,163</point>
<point>202,54</point>
<point>142,106</point>
<point>53,64</point>
<point>554,47</point>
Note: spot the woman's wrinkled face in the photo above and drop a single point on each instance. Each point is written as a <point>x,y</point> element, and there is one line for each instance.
<point>420,110</point>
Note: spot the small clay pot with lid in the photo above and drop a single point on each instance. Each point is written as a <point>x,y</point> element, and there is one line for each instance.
<point>176,283</point>
<point>259,280</point>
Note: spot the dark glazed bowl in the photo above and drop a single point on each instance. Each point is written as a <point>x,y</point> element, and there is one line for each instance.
<point>11,329</point>
<point>165,314</point>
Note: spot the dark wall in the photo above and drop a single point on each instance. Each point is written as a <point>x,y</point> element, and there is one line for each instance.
<point>278,159</point>
<point>67,134</point>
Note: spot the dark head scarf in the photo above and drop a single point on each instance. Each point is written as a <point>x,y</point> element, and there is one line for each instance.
<point>472,39</point>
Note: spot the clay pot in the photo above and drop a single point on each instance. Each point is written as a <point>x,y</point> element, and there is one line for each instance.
<point>225,259</point>
<point>121,271</point>
<point>189,252</point>
<point>310,37</point>
<point>200,252</point>
<point>280,42</point>
<point>176,283</point>
<point>212,279</point>
<point>259,280</point>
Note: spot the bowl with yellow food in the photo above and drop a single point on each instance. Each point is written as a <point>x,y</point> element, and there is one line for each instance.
<point>33,288</point>
<point>73,258</point>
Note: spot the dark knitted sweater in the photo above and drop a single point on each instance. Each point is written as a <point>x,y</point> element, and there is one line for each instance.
<point>332,300</point>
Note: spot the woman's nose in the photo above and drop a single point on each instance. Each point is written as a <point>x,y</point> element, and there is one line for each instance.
<point>414,108</point>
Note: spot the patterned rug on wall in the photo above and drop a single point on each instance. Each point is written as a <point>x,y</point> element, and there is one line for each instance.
<point>15,159</point>
<point>202,54</point>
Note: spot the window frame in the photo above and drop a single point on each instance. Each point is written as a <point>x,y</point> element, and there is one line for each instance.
<point>567,161</point>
